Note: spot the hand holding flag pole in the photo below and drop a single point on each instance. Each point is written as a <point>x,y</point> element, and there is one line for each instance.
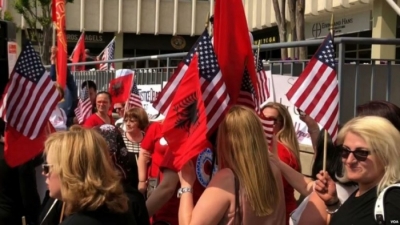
<point>325,131</point>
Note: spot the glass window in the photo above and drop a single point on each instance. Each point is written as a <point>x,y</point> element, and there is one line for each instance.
<point>350,56</point>
<point>365,34</point>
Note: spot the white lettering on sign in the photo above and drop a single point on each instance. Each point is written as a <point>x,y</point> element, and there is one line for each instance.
<point>342,25</point>
<point>90,38</point>
<point>149,93</point>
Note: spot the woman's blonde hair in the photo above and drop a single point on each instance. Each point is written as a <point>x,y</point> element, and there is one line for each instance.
<point>242,147</point>
<point>383,140</point>
<point>88,180</point>
<point>287,135</point>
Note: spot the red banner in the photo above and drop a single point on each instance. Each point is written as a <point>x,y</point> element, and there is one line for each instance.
<point>58,15</point>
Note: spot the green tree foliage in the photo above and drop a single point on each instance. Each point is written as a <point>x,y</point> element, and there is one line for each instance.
<point>37,15</point>
<point>8,16</point>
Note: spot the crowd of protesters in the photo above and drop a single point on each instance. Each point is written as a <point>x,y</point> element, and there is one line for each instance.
<point>107,172</point>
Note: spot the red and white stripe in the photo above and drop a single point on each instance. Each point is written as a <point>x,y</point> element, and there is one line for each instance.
<point>316,92</point>
<point>268,127</point>
<point>27,106</point>
<point>164,99</point>
<point>216,100</point>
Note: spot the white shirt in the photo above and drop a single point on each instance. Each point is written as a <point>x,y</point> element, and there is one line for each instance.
<point>58,119</point>
<point>120,123</point>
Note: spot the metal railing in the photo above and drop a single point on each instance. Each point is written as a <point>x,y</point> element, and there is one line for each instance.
<point>363,82</point>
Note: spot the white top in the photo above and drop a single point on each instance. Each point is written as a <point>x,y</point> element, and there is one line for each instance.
<point>343,193</point>
<point>58,119</point>
<point>120,124</point>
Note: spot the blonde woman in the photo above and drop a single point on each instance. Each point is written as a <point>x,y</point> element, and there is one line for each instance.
<point>247,189</point>
<point>79,173</point>
<point>370,153</point>
<point>287,145</point>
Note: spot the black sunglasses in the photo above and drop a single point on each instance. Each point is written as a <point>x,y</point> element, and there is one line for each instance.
<point>360,154</point>
<point>46,168</point>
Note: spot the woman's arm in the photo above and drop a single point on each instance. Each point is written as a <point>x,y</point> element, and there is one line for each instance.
<point>143,160</point>
<point>298,181</point>
<point>163,193</point>
<point>313,129</point>
<point>315,212</point>
<point>213,204</point>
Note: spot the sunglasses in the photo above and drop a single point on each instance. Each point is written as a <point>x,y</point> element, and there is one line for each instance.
<point>359,154</point>
<point>46,168</point>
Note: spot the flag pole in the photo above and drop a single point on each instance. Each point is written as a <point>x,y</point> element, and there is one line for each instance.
<point>325,131</point>
<point>207,20</point>
<point>53,40</point>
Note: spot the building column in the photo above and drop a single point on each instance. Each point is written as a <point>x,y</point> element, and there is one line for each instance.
<point>383,26</point>
<point>119,49</point>
<point>19,40</point>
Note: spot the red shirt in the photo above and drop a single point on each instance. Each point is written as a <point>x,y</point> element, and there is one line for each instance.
<point>286,156</point>
<point>203,165</point>
<point>156,145</point>
<point>94,120</point>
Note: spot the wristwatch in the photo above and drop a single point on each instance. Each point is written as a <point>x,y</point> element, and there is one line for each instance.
<point>333,208</point>
<point>184,190</point>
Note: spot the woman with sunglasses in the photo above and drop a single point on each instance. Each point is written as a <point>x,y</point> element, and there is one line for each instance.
<point>370,152</point>
<point>120,110</point>
<point>80,174</point>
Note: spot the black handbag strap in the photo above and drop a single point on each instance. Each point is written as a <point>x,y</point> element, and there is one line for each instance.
<point>238,212</point>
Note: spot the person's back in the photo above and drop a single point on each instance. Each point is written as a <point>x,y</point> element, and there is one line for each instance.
<point>278,217</point>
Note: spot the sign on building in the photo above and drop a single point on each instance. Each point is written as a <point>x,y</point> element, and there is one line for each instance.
<point>345,24</point>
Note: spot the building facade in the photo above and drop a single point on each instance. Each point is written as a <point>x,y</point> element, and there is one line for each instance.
<point>151,27</point>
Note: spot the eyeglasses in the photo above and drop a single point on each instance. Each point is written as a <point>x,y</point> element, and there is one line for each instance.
<point>118,109</point>
<point>359,154</point>
<point>46,168</point>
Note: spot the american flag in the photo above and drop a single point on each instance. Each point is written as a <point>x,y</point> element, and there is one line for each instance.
<point>166,95</point>
<point>268,127</point>
<point>30,96</point>
<point>247,93</point>
<point>262,81</point>
<point>108,54</point>
<point>316,91</point>
<point>215,95</point>
<point>84,109</point>
<point>135,101</point>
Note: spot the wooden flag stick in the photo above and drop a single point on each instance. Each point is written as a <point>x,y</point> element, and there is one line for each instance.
<point>23,220</point>
<point>207,20</point>
<point>62,212</point>
<point>53,40</point>
<point>332,27</point>
<point>325,150</point>
<point>258,52</point>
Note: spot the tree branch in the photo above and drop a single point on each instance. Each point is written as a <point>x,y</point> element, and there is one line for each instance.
<point>277,10</point>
